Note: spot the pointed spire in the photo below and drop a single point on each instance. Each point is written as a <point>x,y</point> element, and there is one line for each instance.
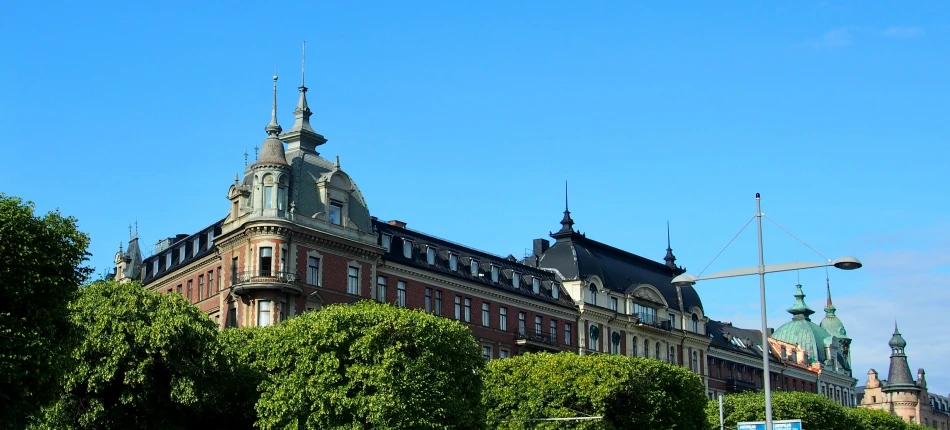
<point>670,258</point>
<point>273,129</point>
<point>800,310</point>
<point>567,224</point>
<point>301,134</point>
<point>336,163</point>
<point>829,307</point>
<point>897,342</point>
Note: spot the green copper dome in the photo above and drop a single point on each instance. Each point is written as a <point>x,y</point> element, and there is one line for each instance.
<point>831,323</point>
<point>802,331</point>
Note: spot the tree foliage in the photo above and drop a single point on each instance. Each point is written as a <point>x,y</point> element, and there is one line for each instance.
<point>875,419</point>
<point>368,365</point>
<point>41,271</point>
<point>143,360</point>
<point>628,392</point>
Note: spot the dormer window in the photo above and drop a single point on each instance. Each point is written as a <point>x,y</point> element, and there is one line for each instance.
<point>494,273</point>
<point>182,254</point>
<point>336,213</point>
<point>210,238</point>
<point>430,255</point>
<point>516,279</point>
<point>555,290</point>
<point>536,285</point>
<point>453,262</point>
<point>155,268</point>
<point>592,294</point>
<point>195,247</point>
<point>386,240</point>
<point>407,248</point>
<point>168,260</point>
<point>474,268</point>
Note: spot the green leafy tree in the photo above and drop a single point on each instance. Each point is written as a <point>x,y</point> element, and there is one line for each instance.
<point>144,360</point>
<point>815,411</point>
<point>628,392</point>
<point>41,271</point>
<point>240,372</point>
<point>875,419</point>
<point>369,365</point>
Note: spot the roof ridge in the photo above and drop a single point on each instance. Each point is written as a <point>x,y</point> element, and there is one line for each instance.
<point>656,264</point>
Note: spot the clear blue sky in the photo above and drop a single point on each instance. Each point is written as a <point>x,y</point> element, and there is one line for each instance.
<point>465,119</point>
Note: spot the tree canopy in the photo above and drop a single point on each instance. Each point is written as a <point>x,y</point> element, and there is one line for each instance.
<point>367,365</point>
<point>143,360</point>
<point>42,270</point>
<point>628,392</point>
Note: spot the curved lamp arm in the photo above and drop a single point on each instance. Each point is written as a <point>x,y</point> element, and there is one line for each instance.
<point>844,263</point>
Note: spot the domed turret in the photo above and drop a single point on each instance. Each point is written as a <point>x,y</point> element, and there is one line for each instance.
<point>831,323</point>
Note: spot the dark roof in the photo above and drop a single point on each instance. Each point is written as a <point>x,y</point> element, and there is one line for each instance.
<point>898,375</point>
<point>575,257</point>
<point>205,247</point>
<point>133,258</point>
<point>724,336</point>
<point>444,248</point>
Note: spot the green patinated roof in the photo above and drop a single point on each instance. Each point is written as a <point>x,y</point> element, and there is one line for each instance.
<point>802,331</point>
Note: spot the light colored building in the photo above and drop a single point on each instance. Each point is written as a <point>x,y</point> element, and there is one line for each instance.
<point>901,395</point>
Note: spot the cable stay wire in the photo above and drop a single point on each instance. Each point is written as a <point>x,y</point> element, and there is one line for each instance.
<point>727,245</point>
<point>796,238</point>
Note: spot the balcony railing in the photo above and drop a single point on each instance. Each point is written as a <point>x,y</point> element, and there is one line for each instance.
<point>264,277</point>
<point>537,337</point>
<point>738,385</point>
<point>650,320</point>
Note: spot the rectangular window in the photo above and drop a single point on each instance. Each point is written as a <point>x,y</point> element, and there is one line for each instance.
<point>672,321</point>
<point>182,254</point>
<point>486,352</point>
<point>430,255</point>
<point>234,270</point>
<point>232,318</point>
<point>211,282</point>
<point>521,323</point>
<point>406,248</point>
<point>155,268</point>
<point>516,280</point>
<point>468,310</point>
<point>438,302</point>
<point>645,313</point>
<point>168,260</point>
<point>283,260</point>
<point>567,333</point>
<point>313,270</point>
<point>537,325</point>
<point>494,273</point>
<point>353,280</point>
<point>503,319</point>
<point>555,290</point>
<point>453,262</point>
<point>553,330</point>
<point>268,196</point>
<point>387,241</point>
<point>191,290</point>
<point>336,213</point>
<point>536,285</point>
<point>179,289</point>
<point>458,307</point>
<point>263,313</point>
<point>503,353</point>
<point>613,304</point>
<point>195,248</point>
<point>201,287</point>
<point>264,265</point>
<point>485,314</point>
<point>428,299</point>
<point>401,293</point>
<point>474,268</point>
<point>381,288</point>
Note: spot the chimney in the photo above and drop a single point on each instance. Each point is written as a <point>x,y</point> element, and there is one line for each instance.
<point>541,245</point>
<point>396,223</point>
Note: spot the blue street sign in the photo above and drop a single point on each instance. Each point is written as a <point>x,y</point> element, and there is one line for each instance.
<point>776,425</point>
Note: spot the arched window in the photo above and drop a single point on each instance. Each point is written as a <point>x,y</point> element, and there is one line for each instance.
<point>658,355</point>
<point>695,324</point>
<point>593,337</point>
<point>592,298</point>
<point>646,348</point>
<point>634,351</point>
<point>696,362</point>
<point>672,355</point>
<point>615,343</point>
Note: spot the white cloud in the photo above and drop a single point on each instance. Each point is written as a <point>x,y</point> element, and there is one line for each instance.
<point>903,32</point>
<point>845,36</point>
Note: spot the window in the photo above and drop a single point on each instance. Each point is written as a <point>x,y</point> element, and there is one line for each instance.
<point>453,262</point>
<point>191,290</point>
<point>536,285</point>
<point>658,351</point>
<point>234,270</point>
<point>474,268</point>
<point>486,352</point>
<point>263,313</point>
<point>387,241</point>
<point>613,304</point>
<point>438,303</point>
<point>353,280</point>
<point>503,353</point>
<point>567,333</point>
<point>494,273</point>
<point>232,318</point>
<point>672,321</point>
<point>336,213</point>
<point>521,324</point>
<point>211,279</point>
<point>155,268</point>
<point>672,355</point>
<point>592,294</point>
<point>401,293</point>
<point>468,310</point>
<point>407,248</point>
<point>593,337</point>
<point>696,362</point>
<point>168,260</point>
<point>179,289</point>
<point>313,270</point>
<point>537,325</point>
<point>264,264</point>
<point>182,254</point>
<point>430,255</point>
<point>485,314</point>
<point>201,287</point>
<point>646,348</point>
<point>283,261</point>
<point>503,319</point>
<point>695,324</point>
<point>381,288</point>
<point>458,307</point>
<point>268,196</point>
<point>515,279</point>
<point>615,343</point>
<point>645,313</point>
<point>633,350</point>
<point>553,330</point>
<point>555,290</point>
<point>428,300</point>
<point>195,248</point>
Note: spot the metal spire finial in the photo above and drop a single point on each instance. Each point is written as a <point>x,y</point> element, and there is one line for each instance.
<point>567,224</point>
<point>256,149</point>
<point>273,129</point>
<point>670,259</point>
<point>565,196</point>
<point>245,159</point>
<point>303,66</point>
<point>336,162</point>
<point>130,234</point>
<point>668,235</point>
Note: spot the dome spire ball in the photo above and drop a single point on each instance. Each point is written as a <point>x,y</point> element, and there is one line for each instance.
<point>273,129</point>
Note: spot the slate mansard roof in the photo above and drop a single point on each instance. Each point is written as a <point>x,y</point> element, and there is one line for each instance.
<point>186,243</point>
<point>724,336</point>
<point>444,248</point>
<point>575,257</point>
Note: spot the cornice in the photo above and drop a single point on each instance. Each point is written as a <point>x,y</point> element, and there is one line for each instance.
<point>194,266</point>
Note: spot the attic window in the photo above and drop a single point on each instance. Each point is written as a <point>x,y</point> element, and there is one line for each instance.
<point>336,213</point>
<point>494,273</point>
<point>182,254</point>
<point>453,262</point>
<point>536,285</point>
<point>386,241</point>
<point>407,248</point>
<point>430,255</point>
<point>474,267</point>
<point>555,290</point>
<point>195,248</point>
<point>155,269</point>
<point>168,260</point>
<point>515,279</point>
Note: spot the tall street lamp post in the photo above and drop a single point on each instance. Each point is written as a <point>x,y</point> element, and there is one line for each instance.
<point>844,263</point>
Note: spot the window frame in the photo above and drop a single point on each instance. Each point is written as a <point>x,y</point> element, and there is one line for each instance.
<point>486,314</point>
<point>468,310</point>
<point>381,284</point>
<point>453,262</point>
<point>339,207</point>
<point>401,293</point>
<point>269,320</point>
<point>386,241</point>
<point>438,302</point>
<point>353,281</point>
<point>503,318</point>
<point>536,285</point>
<point>430,255</point>
<point>428,300</point>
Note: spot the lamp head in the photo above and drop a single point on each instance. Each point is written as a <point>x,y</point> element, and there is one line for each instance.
<point>847,263</point>
<point>684,280</point>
